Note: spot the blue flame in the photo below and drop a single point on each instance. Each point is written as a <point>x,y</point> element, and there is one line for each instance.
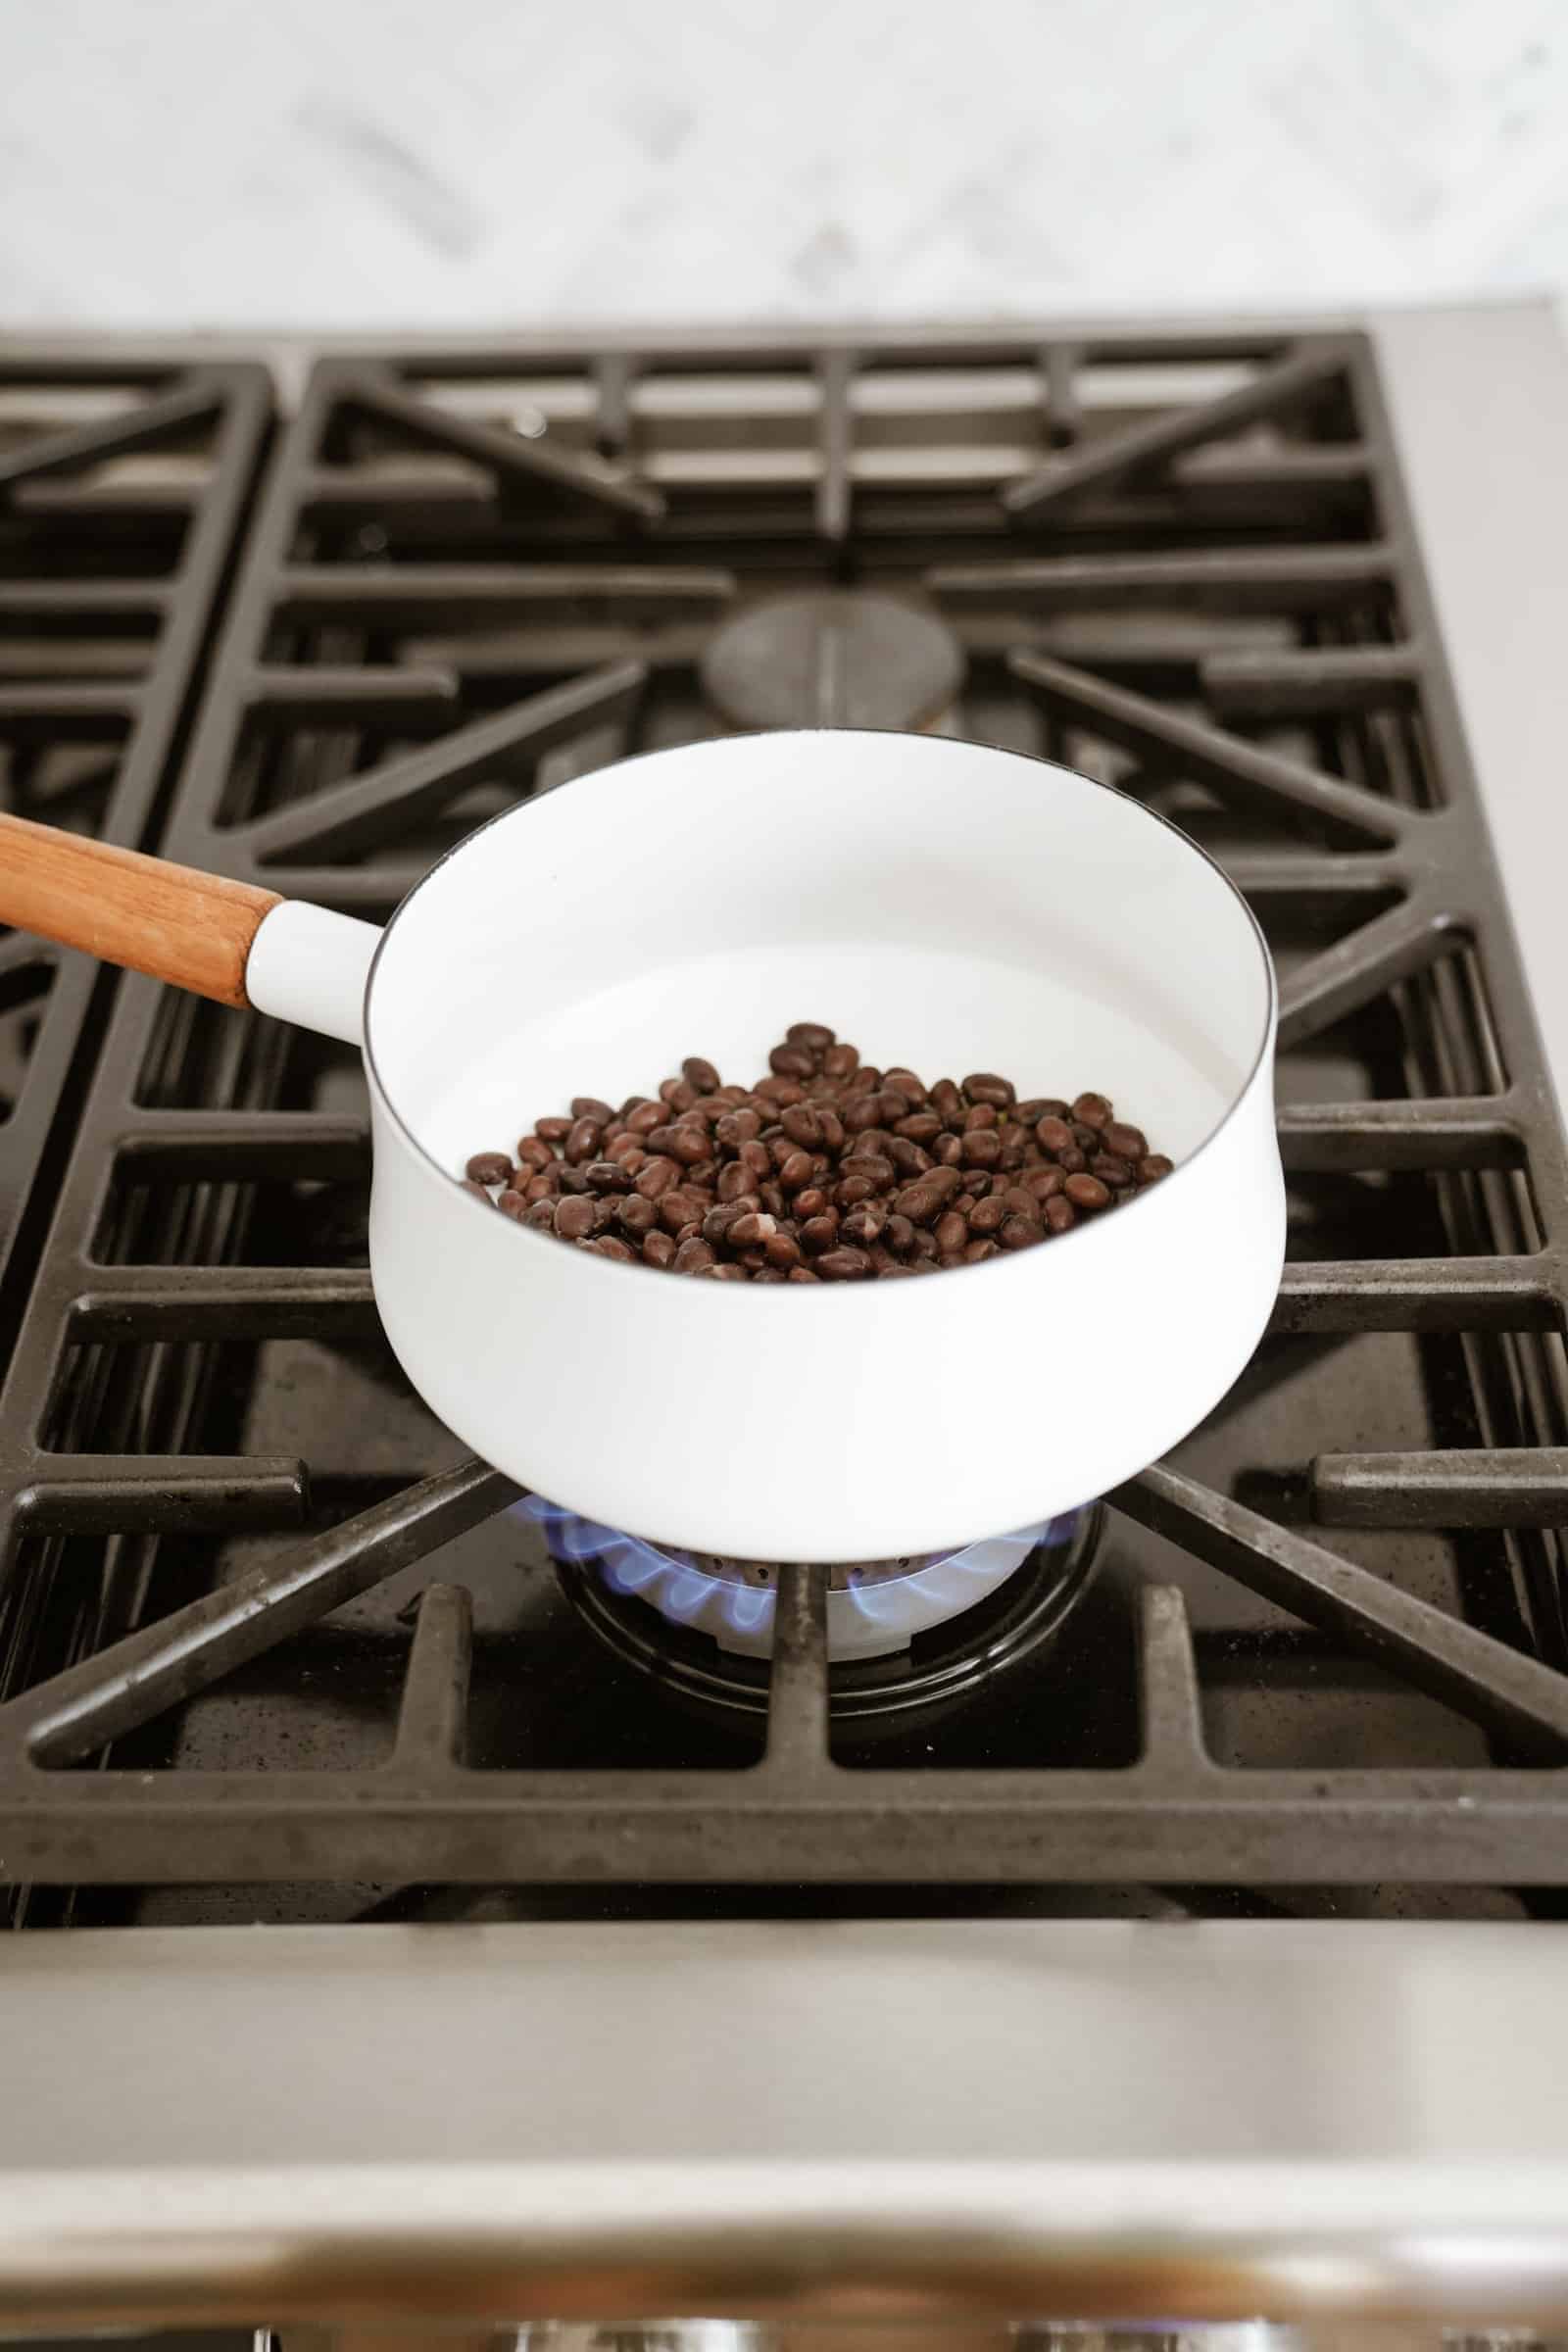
<point>865,1617</point>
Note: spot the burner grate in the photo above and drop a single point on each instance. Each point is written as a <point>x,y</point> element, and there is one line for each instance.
<point>121,488</point>
<point>1328,1641</point>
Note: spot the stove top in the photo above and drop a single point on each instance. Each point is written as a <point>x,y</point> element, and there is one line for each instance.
<point>271,1647</point>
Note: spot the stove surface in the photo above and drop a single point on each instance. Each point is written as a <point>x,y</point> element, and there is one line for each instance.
<point>272,1649</point>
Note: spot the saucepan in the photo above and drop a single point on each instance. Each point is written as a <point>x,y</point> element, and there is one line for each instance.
<point>947,905</point>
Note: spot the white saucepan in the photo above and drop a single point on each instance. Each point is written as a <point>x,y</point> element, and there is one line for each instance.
<point>943,906</point>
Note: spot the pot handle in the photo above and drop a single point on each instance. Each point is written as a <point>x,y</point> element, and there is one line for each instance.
<point>230,940</point>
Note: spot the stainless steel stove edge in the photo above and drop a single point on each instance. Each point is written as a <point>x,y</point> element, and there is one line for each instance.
<point>892,2118</point>
<point>1478,402</point>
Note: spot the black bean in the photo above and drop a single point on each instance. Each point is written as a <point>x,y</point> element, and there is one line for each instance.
<point>844,1266</point>
<point>803,1125</point>
<point>584,1139</point>
<point>1128,1142</point>
<point>918,1201</point>
<point>488,1168</point>
<point>655,1176</point>
<point>589,1106</point>
<point>751,1226</point>
<point>877,1170</point>
<point>511,1204</point>
<point>658,1248</point>
<point>792,1062</point>
<point>864,1226</point>
<point>1152,1167</point>
<point>987,1215</point>
<point>691,1255</point>
<point>839,1062</point>
<point>574,1217</point>
<point>1091,1110</point>
<point>1019,1232</point>
<point>811,1034</point>
<point>679,1207</point>
<point>976,1253</point>
<point>984,1086</point>
<point>553,1131</point>
<point>1087,1192</point>
<point>606,1176</point>
<point>1053,1135</point>
<point>700,1075</point>
<point>1059,1213</point>
<point>1109,1169</point>
<point>951,1229</point>
<point>819,1233</point>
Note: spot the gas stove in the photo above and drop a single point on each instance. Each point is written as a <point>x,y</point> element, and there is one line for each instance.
<point>273,1650</point>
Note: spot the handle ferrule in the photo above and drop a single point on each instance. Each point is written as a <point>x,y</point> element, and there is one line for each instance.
<point>310,965</point>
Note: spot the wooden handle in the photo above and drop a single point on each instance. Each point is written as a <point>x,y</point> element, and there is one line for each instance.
<point>192,929</point>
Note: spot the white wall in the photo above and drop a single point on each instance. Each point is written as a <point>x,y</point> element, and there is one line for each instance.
<point>359,163</point>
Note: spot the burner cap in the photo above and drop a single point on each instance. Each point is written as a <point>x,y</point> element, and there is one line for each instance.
<point>835,658</point>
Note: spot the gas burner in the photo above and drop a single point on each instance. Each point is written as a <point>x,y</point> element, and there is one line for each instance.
<point>837,658</point>
<point>683,1619</point>
<point>874,1608</point>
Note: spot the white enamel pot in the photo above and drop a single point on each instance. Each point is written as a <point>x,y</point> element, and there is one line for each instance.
<point>944,906</point>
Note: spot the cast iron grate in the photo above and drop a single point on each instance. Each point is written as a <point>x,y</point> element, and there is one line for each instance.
<point>121,487</point>
<point>1327,1645</point>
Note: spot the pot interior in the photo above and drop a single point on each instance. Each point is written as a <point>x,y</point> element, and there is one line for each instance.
<point>939,904</point>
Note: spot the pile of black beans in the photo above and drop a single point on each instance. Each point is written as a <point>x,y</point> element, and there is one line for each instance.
<point>826,1170</point>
